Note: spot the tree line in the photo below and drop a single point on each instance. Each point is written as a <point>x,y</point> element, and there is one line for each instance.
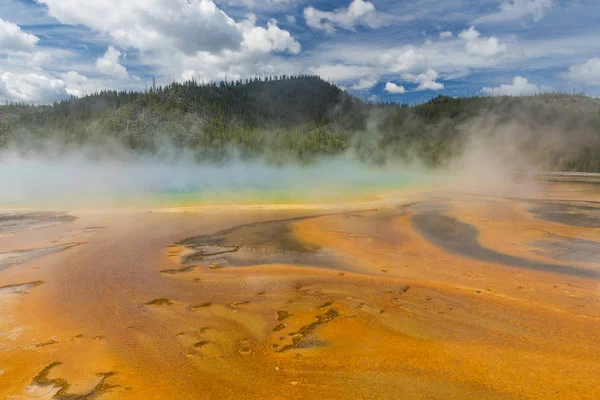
<point>302,118</point>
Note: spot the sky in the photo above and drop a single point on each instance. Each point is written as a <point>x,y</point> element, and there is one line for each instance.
<point>406,51</point>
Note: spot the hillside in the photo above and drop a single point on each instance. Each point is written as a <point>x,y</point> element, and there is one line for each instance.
<point>286,119</point>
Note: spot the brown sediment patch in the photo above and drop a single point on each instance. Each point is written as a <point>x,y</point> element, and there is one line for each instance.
<point>93,228</point>
<point>178,271</point>
<point>48,343</point>
<point>270,242</point>
<point>17,257</point>
<point>159,302</point>
<point>200,344</point>
<point>202,254</point>
<point>281,315</point>
<point>62,386</point>
<point>574,213</point>
<point>20,287</point>
<point>570,249</point>
<point>299,336</point>
<point>203,305</point>
<point>461,238</point>
<point>17,222</point>
<point>274,235</point>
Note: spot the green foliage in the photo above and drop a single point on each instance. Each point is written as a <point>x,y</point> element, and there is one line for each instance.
<point>283,119</point>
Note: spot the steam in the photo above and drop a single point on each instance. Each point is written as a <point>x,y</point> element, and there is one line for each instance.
<point>497,154</point>
<point>495,160</point>
<point>75,180</point>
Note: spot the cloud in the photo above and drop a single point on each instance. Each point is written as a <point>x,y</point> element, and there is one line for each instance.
<point>364,84</point>
<point>391,87</point>
<point>453,58</point>
<point>358,13</point>
<point>24,70</point>
<point>262,4</point>
<point>415,64</point>
<point>409,60</point>
<point>518,9</point>
<point>180,38</point>
<point>32,87</point>
<point>519,87</point>
<point>75,83</point>
<point>254,58</point>
<point>481,46</point>
<point>587,73</point>
<point>257,38</point>
<point>12,38</point>
<point>426,80</point>
<point>188,26</point>
<point>341,71</point>
<point>214,40</point>
<point>109,64</point>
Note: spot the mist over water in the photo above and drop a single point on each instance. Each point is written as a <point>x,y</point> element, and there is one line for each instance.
<point>494,159</point>
<point>75,180</point>
<point>112,176</point>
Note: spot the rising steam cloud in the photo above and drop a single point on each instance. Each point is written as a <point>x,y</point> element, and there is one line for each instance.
<point>75,180</point>
<point>499,155</point>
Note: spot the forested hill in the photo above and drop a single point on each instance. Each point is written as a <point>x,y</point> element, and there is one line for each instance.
<point>290,119</point>
<point>279,101</point>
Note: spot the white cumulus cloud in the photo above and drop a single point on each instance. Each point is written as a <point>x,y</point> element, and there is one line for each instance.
<point>358,13</point>
<point>109,64</point>
<point>587,73</point>
<point>391,87</point>
<point>181,38</point>
<point>189,26</point>
<point>257,38</point>
<point>519,87</point>
<point>481,46</point>
<point>426,80</point>
<point>12,38</point>
<point>409,60</point>
<point>75,83</point>
<point>32,87</point>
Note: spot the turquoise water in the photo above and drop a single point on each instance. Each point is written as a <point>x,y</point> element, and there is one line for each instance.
<point>73,181</point>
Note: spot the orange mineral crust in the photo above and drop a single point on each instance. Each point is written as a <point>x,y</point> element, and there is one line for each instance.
<point>435,297</point>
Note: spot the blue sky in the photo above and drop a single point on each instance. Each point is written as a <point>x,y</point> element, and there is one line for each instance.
<point>402,51</point>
